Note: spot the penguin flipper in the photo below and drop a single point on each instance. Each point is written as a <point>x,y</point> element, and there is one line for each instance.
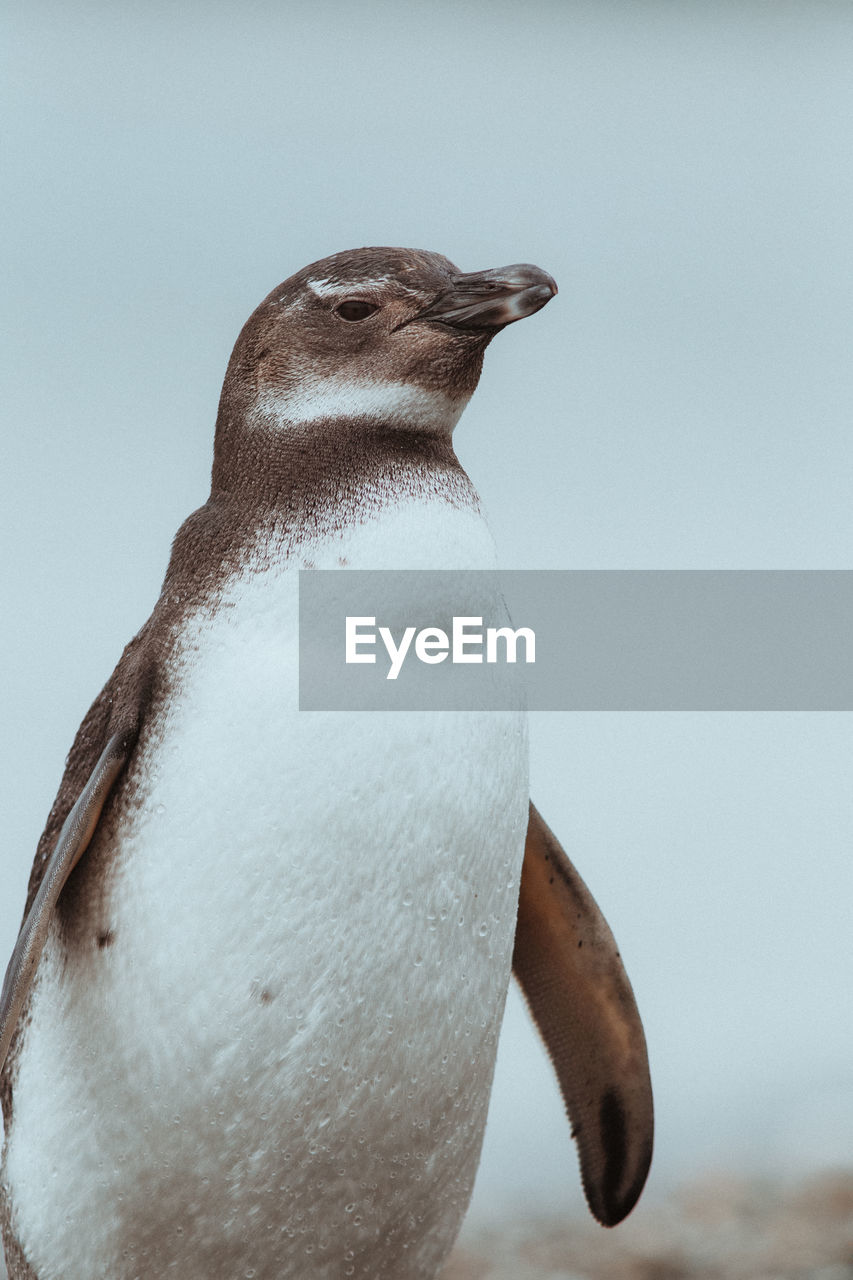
<point>77,831</point>
<point>578,992</point>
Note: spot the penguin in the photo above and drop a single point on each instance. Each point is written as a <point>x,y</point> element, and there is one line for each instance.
<point>250,1022</point>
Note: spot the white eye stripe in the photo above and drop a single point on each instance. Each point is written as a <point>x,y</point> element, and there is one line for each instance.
<point>333,289</point>
<point>402,402</point>
<point>368,289</point>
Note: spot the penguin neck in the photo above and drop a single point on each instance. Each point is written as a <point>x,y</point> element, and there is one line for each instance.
<point>280,495</point>
<point>333,462</point>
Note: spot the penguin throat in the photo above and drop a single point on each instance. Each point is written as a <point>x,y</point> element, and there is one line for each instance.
<point>395,404</point>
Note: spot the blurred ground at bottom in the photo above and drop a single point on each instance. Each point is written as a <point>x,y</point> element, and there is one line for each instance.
<point>719,1228</point>
<point>716,1229</point>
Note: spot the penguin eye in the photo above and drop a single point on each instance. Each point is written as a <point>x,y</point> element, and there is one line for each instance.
<point>356,310</point>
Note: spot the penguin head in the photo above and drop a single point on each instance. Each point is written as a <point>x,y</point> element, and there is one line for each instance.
<point>374,335</point>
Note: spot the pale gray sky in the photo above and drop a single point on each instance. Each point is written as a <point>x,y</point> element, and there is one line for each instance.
<point>684,171</point>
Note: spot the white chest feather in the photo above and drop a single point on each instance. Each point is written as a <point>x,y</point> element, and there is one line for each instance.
<point>281,1065</point>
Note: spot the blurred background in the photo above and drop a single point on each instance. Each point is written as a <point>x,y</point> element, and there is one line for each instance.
<point>684,171</point>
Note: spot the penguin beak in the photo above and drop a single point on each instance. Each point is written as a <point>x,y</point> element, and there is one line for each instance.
<point>492,299</point>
